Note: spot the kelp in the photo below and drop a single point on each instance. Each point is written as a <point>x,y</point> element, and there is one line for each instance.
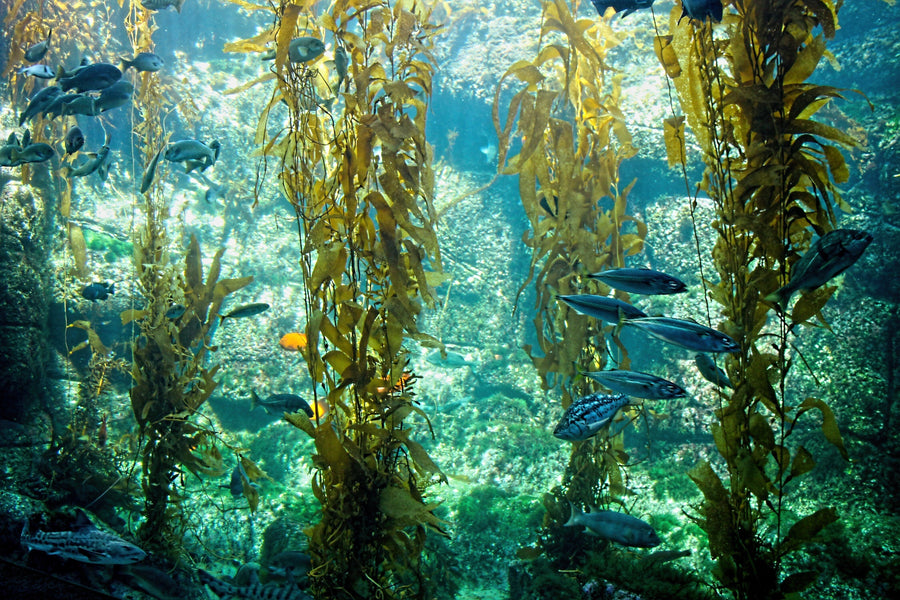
<point>356,167</point>
<point>568,172</point>
<point>772,172</point>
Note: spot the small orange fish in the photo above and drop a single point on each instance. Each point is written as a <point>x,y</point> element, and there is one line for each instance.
<point>404,381</point>
<point>319,408</point>
<point>293,341</point>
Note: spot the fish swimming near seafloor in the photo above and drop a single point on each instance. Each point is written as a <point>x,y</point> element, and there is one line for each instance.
<point>641,281</point>
<point>687,334</point>
<point>639,385</point>
<point>623,8</point>
<point>587,415</point>
<point>611,310</point>
<point>281,403</point>
<point>449,360</point>
<point>39,50</point>
<point>712,372</point>
<point>827,257</point>
<point>615,526</point>
<point>84,543</point>
<point>244,311</point>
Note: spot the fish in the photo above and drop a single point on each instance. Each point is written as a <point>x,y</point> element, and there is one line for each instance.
<point>293,341</point>
<point>97,291</point>
<point>450,360</point>
<point>74,104</point>
<point>97,76</point>
<point>118,94</point>
<point>700,9</point>
<point>611,310</point>
<point>175,311</point>
<point>193,153</point>
<point>588,415</point>
<point>162,4</point>
<point>214,192</point>
<point>687,334</point>
<point>40,101</point>
<point>39,50</point>
<point>639,385</point>
<point>252,591</point>
<point>641,281</point>
<point>341,64</point>
<point>712,372</point>
<point>246,310</point>
<point>615,526</point>
<point>13,156</point>
<point>39,71</point>
<point>150,173</point>
<point>74,140</point>
<point>83,543</point>
<point>152,581</point>
<point>623,8</point>
<point>305,49</point>
<point>290,563</point>
<point>281,403</point>
<point>143,61</point>
<point>239,478</point>
<point>553,212</point>
<point>827,257</point>
<point>97,162</point>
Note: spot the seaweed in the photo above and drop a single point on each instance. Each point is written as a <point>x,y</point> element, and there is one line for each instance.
<point>772,171</point>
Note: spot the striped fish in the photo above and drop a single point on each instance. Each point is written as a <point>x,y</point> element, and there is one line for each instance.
<point>588,415</point>
<point>252,591</point>
<point>84,543</point>
<point>611,310</point>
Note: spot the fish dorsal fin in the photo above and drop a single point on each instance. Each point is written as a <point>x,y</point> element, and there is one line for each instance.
<point>82,521</point>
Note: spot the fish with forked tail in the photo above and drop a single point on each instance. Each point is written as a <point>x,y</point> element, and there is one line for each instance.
<point>615,526</point>
<point>687,334</point>
<point>639,385</point>
<point>611,310</point>
<point>641,281</point>
<point>193,153</point>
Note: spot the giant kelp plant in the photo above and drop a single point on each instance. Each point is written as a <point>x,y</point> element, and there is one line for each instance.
<point>573,141</point>
<point>772,173</point>
<point>355,165</point>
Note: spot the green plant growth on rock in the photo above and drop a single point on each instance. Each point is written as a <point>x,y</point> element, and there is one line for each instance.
<point>772,173</point>
<point>356,167</point>
<point>568,172</point>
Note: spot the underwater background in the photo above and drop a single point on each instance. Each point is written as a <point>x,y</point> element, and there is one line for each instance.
<point>308,299</point>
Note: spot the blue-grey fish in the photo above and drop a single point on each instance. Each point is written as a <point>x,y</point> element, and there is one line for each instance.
<point>98,291</point>
<point>251,591</point>
<point>34,153</point>
<point>118,94</point>
<point>38,103</point>
<point>214,192</point>
<point>97,162</point>
<point>97,76</point>
<point>244,311</point>
<point>193,153</point>
<point>341,64</point>
<point>150,173</point>
<point>615,526</point>
<point>289,564</point>
<point>588,415</point>
<point>143,61</point>
<point>74,140</point>
<point>827,257</point>
<point>239,478</point>
<point>281,403</point>
<point>611,310</point>
<point>39,50</point>
<point>305,49</point>
<point>711,371</point>
<point>450,360</point>
<point>84,543</point>
<point>623,8</point>
<point>687,334</point>
<point>634,383</point>
<point>175,311</point>
<point>700,9</point>
<point>76,104</point>
<point>39,71</point>
<point>640,281</point>
<point>162,4</point>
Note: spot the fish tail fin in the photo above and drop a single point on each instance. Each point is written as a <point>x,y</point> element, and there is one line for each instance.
<point>178,4</point>
<point>111,288</point>
<point>216,146</point>
<point>573,515</point>
<point>779,298</point>
<point>254,399</point>
<point>126,63</point>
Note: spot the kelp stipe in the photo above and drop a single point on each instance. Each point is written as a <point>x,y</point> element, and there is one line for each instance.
<point>772,173</point>
<point>356,167</point>
<point>568,170</point>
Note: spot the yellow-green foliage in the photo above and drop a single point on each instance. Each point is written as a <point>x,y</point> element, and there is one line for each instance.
<point>356,167</point>
<point>571,166</point>
<point>772,172</point>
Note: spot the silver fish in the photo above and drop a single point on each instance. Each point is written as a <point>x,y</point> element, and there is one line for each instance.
<point>588,415</point>
<point>615,526</point>
<point>281,403</point>
<point>37,51</point>
<point>827,257</point>
<point>39,71</point>
<point>712,372</point>
<point>150,173</point>
<point>639,385</point>
<point>641,281</point>
<point>686,334</point>
<point>611,310</point>
<point>245,310</point>
<point>84,543</point>
<point>193,153</point>
<point>143,61</point>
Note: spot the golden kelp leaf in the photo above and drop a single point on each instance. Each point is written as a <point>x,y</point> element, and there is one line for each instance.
<point>806,528</point>
<point>301,422</point>
<point>97,346</point>
<point>829,423</point>
<point>79,249</point>
<point>330,265</point>
<point>810,303</point>
<point>528,553</point>
<point>805,62</point>
<point>330,450</point>
<point>762,431</point>
<point>286,25</point>
<point>250,84</point>
<point>193,268</point>
<point>836,164</point>
<point>421,458</point>
<point>673,132</point>
<point>255,44</point>
<point>339,361</point>
<point>782,458</point>
<point>132,314</point>
<point>665,52</point>
<point>803,462</point>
